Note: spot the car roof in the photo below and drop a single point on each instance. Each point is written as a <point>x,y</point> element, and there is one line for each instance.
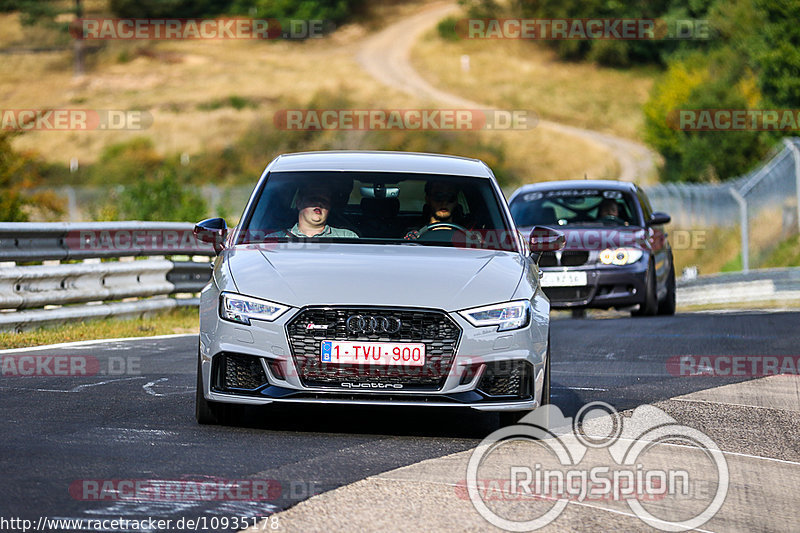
<point>380,161</point>
<point>612,185</point>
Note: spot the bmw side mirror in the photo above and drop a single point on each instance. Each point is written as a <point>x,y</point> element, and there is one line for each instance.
<point>657,219</point>
<point>212,231</point>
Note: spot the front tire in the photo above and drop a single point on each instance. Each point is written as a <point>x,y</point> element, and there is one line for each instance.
<point>667,305</point>
<point>650,304</point>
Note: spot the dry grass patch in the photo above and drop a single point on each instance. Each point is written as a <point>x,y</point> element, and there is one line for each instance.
<point>181,320</point>
<point>522,75</point>
<point>177,83</point>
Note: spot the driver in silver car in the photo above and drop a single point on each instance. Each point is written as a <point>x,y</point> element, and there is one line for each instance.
<point>441,207</point>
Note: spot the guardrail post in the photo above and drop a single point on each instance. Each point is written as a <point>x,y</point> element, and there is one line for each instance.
<point>790,144</point>
<point>745,234</point>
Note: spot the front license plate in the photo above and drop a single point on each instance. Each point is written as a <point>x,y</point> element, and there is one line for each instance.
<point>374,353</point>
<point>564,279</point>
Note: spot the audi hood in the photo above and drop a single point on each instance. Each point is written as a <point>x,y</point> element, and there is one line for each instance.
<point>301,274</point>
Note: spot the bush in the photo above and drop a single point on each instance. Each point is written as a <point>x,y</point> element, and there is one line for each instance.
<point>125,162</point>
<point>330,10</point>
<point>447,28</point>
<point>161,197</point>
<point>168,8</point>
<point>20,172</point>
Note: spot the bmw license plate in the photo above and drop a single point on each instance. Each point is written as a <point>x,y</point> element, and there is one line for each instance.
<point>564,279</point>
<point>374,353</point>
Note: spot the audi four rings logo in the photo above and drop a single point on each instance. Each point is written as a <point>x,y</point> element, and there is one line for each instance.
<point>373,324</point>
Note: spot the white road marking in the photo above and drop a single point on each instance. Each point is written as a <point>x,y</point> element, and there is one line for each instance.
<point>733,404</point>
<point>78,388</point>
<point>148,388</point>
<point>736,454</point>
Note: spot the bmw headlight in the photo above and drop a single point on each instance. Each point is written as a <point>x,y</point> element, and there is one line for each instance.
<point>239,308</point>
<point>620,256</point>
<point>506,316</point>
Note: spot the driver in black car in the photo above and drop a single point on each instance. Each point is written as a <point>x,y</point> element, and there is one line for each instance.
<point>609,211</point>
<point>441,207</point>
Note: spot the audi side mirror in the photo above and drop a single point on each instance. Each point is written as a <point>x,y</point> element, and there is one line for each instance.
<point>212,231</point>
<point>544,239</point>
<point>657,219</point>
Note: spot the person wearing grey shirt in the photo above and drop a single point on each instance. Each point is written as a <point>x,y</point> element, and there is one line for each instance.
<point>313,208</point>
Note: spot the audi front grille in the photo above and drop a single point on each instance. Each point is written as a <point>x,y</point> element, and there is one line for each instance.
<point>435,329</point>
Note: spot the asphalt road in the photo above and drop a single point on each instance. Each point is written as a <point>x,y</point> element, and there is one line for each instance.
<point>133,420</point>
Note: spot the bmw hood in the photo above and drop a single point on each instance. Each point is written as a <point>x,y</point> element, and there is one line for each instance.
<point>301,274</point>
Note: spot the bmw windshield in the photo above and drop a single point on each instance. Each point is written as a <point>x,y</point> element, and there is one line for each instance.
<point>378,208</point>
<point>575,207</point>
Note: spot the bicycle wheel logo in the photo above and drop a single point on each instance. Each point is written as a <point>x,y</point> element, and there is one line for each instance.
<point>671,476</point>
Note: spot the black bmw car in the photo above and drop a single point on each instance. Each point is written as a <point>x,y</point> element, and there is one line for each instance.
<point>616,254</point>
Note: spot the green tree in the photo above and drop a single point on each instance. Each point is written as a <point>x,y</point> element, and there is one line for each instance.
<point>776,51</point>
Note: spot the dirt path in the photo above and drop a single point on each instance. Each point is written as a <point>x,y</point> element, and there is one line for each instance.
<point>386,56</point>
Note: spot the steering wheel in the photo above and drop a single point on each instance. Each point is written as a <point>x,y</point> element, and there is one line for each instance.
<point>442,225</point>
<point>611,219</point>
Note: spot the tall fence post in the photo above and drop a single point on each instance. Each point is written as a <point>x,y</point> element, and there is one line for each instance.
<point>790,144</point>
<point>744,224</point>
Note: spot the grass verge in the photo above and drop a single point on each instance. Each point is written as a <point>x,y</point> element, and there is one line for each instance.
<point>183,320</point>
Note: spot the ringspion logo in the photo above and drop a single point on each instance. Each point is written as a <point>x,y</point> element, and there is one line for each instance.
<point>598,455</point>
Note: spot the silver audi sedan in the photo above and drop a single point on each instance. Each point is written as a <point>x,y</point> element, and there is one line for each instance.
<point>379,278</point>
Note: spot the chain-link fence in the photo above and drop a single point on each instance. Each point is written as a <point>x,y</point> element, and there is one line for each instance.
<point>764,204</point>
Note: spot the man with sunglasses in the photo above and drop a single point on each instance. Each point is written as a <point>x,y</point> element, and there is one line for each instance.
<point>441,207</point>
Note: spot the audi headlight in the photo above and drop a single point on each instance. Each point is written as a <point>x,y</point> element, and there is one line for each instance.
<point>620,256</point>
<point>239,308</point>
<point>506,316</point>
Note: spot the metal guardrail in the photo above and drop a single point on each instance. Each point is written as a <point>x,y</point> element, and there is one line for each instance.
<point>756,286</point>
<point>92,270</point>
<point>98,286</point>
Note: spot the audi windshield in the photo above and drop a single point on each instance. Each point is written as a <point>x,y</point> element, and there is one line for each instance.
<point>378,208</point>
